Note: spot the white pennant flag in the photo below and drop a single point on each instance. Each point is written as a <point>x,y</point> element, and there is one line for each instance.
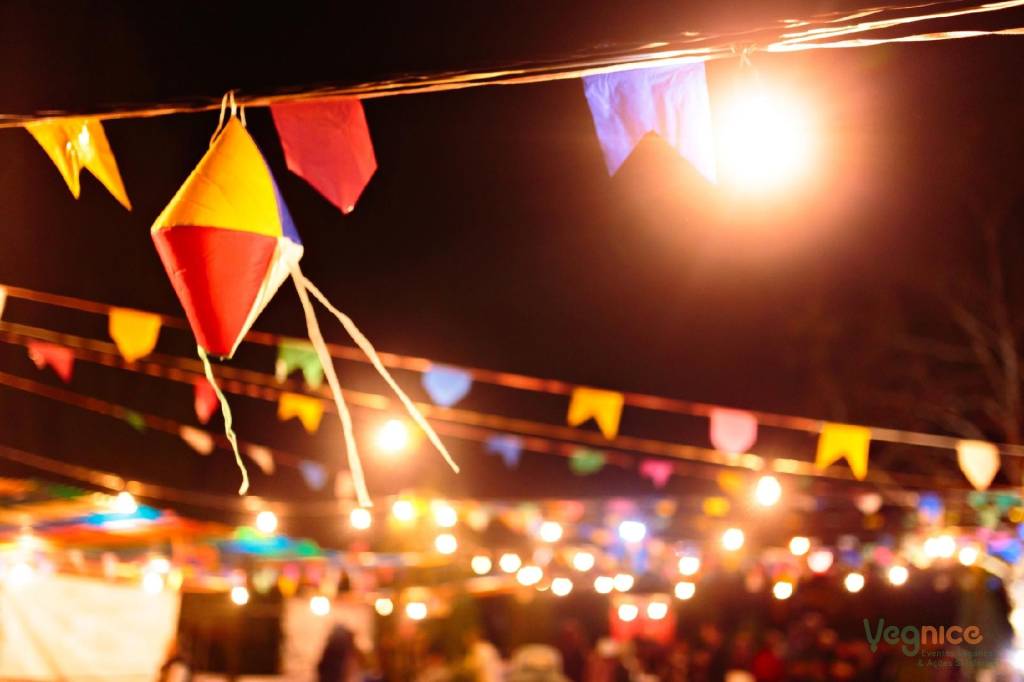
<point>979,461</point>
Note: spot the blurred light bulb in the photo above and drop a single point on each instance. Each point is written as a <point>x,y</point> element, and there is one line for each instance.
<point>125,503</point>
<point>799,546</point>
<point>604,584</point>
<point>623,582</point>
<point>403,511</point>
<point>733,539</point>
<point>529,575</point>
<point>266,522</point>
<point>320,605</point>
<point>689,565</point>
<point>152,582</point>
<point>685,590</point>
<point>416,610</point>
<point>384,606</point>
<point>550,531</point>
<point>657,610</point>
<point>561,587</point>
<point>239,595</point>
<point>820,560</point>
<point>782,589</point>
<point>632,531</point>
<point>445,543</point>
<point>768,491</point>
<point>159,564</point>
<point>854,582</point>
<point>20,574</point>
<point>480,564</point>
<point>968,555</point>
<point>393,436</point>
<point>945,546</point>
<point>509,562</point>
<point>583,561</point>
<point>898,575</point>
<point>445,515</point>
<point>628,612</point>
<point>360,518</point>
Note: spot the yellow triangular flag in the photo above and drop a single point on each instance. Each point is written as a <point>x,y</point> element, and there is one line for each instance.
<point>134,332</point>
<point>979,461</point>
<point>308,410</point>
<point>76,143</point>
<point>844,440</point>
<point>604,406</point>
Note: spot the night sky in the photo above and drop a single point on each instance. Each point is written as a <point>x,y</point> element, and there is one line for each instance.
<point>491,235</point>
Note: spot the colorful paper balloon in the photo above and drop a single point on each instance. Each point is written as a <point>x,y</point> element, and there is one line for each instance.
<point>979,461</point>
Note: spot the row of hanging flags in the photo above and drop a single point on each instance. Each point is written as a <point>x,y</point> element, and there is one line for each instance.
<point>228,243</point>
<point>135,333</point>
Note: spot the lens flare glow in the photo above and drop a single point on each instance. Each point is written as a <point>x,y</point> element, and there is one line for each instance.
<point>152,582</point>
<point>125,503</point>
<point>393,437</point>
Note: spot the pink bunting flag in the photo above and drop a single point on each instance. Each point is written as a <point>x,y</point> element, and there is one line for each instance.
<point>733,430</point>
<point>60,358</point>
<point>327,143</point>
<point>205,400</point>
<point>657,470</point>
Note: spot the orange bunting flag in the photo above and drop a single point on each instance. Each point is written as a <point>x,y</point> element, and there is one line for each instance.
<point>263,457</point>
<point>60,358</point>
<point>844,440</point>
<point>605,407</point>
<point>979,461</point>
<point>76,143</point>
<point>3,300</point>
<point>306,409</point>
<point>197,439</point>
<point>134,332</point>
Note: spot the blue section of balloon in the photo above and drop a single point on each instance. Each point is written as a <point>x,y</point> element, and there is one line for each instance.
<point>930,505</point>
<point>1008,550</point>
<point>313,474</point>
<point>671,101</point>
<point>509,447</point>
<point>143,513</point>
<point>446,385</point>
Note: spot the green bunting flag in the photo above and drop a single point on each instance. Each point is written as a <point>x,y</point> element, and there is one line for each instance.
<point>586,462</point>
<point>296,354</point>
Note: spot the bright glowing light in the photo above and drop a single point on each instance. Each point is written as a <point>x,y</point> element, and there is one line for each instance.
<point>657,610</point>
<point>403,511</point>
<point>604,584</point>
<point>768,491</point>
<point>820,560</point>
<point>689,565</point>
<point>1017,659</point>
<point>799,546</point>
<point>782,589</point>
<point>632,531</point>
<point>583,561</point>
<point>159,564</point>
<point>266,522</point>
<point>480,564</point>
<point>898,575</point>
<point>509,562</point>
<point>320,605</point>
<point>125,503</point>
<point>623,582</point>
<point>416,610</point>
<point>561,587</point>
<point>360,519</point>
<point>445,515</point>
<point>445,543</point>
<point>384,606</point>
<point>152,582</point>
<point>20,574</point>
<point>550,531</point>
<point>765,141</point>
<point>685,590</point>
<point>239,595</point>
<point>529,575</point>
<point>733,539</point>
<point>853,582</point>
<point>968,555</point>
<point>393,437</point>
<point>940,547</point>
<point>628,612</point>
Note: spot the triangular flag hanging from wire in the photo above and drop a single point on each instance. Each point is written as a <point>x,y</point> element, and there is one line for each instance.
<point>844,440</point>
<point>313,474</point>
<point>3,300</point>
<point>197,439</point>
<point>134,420</point>
<point>508,446</point>
<point>306,409</point>
<point>657,470</point>
<point>979,461</point>
<point>327,143</point>
<point>296,354</point>
<point>671,101</point>
<point>344,488</point>
<point>446,385</point>
<point>263,457</point>
<point>584,462</point>
<point>60,358</point>
<point>76,143</point>
<point>134,332</point>
<point>204,400</point>
<point>732,431</point>
<point>604,406</point>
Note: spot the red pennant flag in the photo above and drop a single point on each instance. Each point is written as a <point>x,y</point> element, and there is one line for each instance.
<point>206,402</point>
<point>60,358</point>
<point>327,143</point>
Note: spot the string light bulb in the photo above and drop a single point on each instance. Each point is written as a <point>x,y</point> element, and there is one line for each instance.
<point>898,575</point>
<point>561,587</point>
<point>320,605</point>
<point>124,503</point>
<point>689,565</point>
<point>480,564</point>
<point>239,595</point>
<point>604,584</point>
<point>685,590</point>
<point>383,606</point>
<point>583,561</point>
<point>529,575</point>
<point>623,582</point>
<point>393,437</point>
<point>819,561</point>
<point>968,555</point>
<point>628,612</point>
<point>403,511</point>
<point>632,531</point>
<point>509,562</point>
<point>266,522</point>
<point>853,582</point>
<point>445,543</point>
<point>550,531</point>
<point>416,610</point>
<point>768,491</point>
<point>152,582</point>
<point>799,545</point>
<point>657,610</point>
<point>360,518</point>
<point>733,539</point>
<point>445,515</point>
<point>782,590</point>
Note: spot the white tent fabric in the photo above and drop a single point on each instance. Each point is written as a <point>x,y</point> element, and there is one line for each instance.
<point>84,630</point>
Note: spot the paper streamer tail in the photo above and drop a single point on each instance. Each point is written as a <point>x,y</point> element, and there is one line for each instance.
<point>316,338</point>
<point>226,411</point>
<point>367,348</point>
